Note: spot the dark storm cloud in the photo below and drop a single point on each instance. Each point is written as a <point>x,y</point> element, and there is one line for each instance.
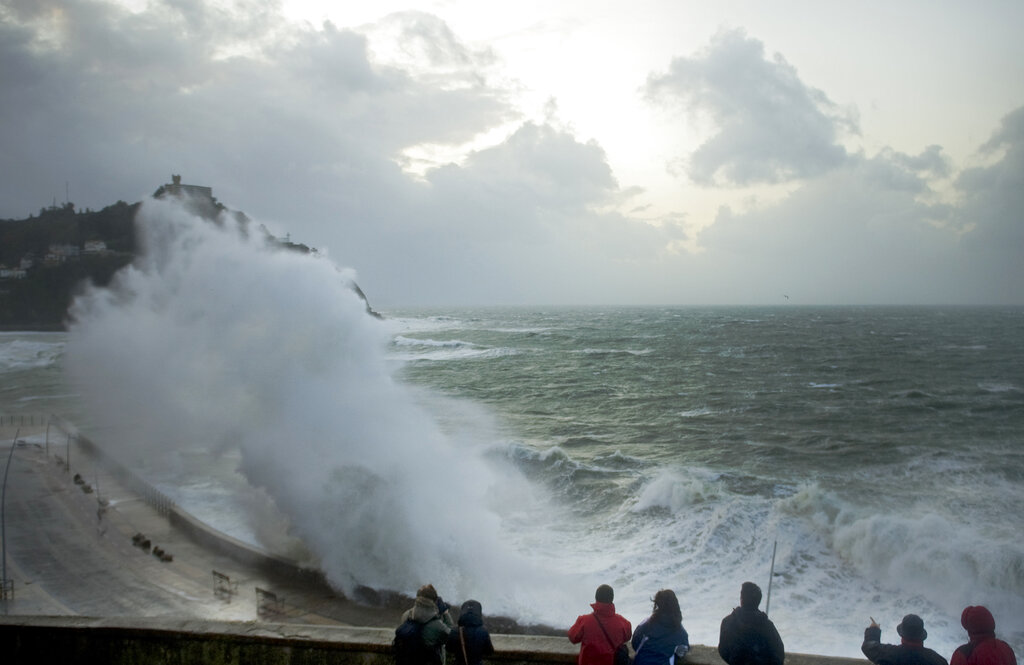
<point>994,195</point>
<point>521,220</point>
<point>113,100</point>
<point>301,129</point>
<point>544,168</point>
<point>866,233</point>
<point>993,210</point>
<point>892,170</point>
<point>769,126</point>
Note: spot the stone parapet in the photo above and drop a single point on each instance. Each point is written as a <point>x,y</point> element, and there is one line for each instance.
<point>167,641</point>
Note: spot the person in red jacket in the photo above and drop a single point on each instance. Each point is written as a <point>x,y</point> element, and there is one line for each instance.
<point>983,648</point>
<point>600,632</point>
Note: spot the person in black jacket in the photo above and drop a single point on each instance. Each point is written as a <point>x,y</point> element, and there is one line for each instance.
<point>747,636</point>
<point>470,642</point>
<point>911,649</point>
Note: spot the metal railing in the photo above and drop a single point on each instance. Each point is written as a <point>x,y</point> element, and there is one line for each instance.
<point>23,419</point>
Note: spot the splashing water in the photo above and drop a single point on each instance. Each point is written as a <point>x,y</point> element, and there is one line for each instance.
<point>215,340</point>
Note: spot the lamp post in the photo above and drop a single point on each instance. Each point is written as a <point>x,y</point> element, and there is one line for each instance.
<point>3,517</point>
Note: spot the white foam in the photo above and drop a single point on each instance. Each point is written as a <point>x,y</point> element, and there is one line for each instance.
<point>26,354</point>
<point>214,340</point>
<point>410,349</point>
<point>998,387</point>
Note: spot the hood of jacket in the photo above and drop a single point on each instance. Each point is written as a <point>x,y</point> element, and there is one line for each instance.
<point>978,622</point>
<point>604,609</point>
<point>471,614</point>
<point>423,609</point>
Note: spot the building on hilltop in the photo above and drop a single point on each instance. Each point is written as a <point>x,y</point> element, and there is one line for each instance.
<point>197,198</point>
<point>195,191</point>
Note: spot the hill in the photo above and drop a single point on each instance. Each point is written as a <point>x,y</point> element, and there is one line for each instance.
<point>46,259</point>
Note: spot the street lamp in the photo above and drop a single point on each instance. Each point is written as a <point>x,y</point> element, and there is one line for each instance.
<point>3,518</point>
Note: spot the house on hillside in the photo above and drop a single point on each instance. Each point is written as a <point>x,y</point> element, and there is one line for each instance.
<point>12,273</point>
<point>60,253</point>
<point>94,247</point>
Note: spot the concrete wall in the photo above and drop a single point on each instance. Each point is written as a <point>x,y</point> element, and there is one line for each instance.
<point>168,641</point>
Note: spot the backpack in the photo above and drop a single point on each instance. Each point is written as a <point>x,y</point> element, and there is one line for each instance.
<point>408,646</point>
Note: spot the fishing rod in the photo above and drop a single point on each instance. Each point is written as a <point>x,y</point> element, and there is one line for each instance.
<point>771,574</point>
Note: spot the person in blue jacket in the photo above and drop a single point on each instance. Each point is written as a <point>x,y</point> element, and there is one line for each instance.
<point>470,642</point>
<point>661,638</point>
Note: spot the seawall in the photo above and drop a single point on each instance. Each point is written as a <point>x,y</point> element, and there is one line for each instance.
<point>166,641</point>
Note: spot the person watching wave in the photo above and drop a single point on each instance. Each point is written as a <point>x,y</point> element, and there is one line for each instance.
<point>661,638</point>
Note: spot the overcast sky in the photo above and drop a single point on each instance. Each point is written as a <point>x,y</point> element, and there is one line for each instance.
<point>577,152</point>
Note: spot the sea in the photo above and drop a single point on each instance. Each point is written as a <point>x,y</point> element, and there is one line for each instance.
<point>857,463</point>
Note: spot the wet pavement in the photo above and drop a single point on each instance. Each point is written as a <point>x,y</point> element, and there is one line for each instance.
<point>70,551</point>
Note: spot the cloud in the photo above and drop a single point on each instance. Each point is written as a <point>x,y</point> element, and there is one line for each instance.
<point>306,128</point>
<point>992,208</point>
<point>770,127</point>
<point>181,87</point>
<point>532,218</point>
<point>543,167</point>
<point>303,128</point>
<point>870,232</point>
<point>424,41</point>
<point>994,195</point>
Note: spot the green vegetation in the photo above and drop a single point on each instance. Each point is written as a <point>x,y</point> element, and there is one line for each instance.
<point>38,299</point>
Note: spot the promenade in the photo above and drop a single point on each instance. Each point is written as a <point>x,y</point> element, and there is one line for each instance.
<point>70,551</point>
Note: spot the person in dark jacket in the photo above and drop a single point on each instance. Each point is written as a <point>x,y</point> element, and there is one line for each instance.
<point>910,651</point>
<point>747,636</point>
<point>431,611</point>
<point>660,638</point>
<point>600,632</point>
<point>470,641</point>
<point>983,647</point>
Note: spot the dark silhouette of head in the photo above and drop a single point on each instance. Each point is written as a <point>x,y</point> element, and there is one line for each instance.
<point>666,608</point>
<point>750,595</point>
<point>912,628</point>
<point>427,591</point>
<point>604,594</point>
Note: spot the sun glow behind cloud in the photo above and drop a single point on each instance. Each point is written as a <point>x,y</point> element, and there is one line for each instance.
<point>558,68</point>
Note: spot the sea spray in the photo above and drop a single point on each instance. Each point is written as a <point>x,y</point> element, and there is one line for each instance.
<point>212,339</point>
